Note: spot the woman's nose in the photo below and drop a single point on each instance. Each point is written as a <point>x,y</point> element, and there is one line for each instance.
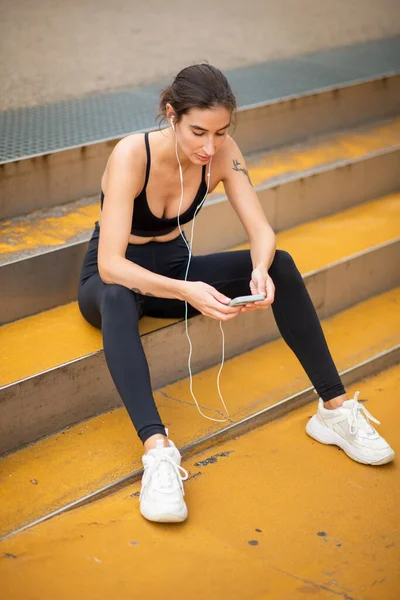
<point>209,148</point>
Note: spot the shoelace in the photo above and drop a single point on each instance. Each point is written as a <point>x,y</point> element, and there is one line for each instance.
<point>359,417</point>
<point>164,474</point>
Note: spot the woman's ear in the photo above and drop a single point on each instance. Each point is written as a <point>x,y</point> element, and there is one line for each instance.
<point>169,111</point>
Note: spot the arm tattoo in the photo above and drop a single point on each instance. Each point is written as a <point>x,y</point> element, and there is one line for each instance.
<point>236,167</point>
<point>137,291</point>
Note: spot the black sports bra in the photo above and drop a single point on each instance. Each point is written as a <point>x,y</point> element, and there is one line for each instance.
<point>144,223</point>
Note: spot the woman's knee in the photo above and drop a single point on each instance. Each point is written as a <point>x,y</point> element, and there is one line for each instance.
<point>118,299</point>
<point>284,268</point>
<point>88,302</point>
<point>116,295</point>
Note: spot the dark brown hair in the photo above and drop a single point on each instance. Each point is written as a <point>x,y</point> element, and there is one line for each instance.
<point>197,86</point>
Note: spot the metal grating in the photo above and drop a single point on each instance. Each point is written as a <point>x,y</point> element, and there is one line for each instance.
<point>38,130</point>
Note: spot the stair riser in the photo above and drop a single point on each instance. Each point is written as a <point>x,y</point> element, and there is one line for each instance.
<point>301,117</point>
<point>52,179</point>
<point>38,283</point>
<point>46,403</point>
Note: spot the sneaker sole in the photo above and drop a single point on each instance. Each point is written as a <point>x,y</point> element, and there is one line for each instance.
<point>326,436</point>
<point>165,517</point>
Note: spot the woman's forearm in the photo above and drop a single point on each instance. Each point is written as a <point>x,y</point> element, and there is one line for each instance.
<point>140,280</point>
<point>262,248</point>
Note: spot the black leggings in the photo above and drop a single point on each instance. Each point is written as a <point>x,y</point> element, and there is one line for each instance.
<point>116,310</point>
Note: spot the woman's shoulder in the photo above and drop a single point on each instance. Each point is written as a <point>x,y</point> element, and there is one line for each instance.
<point>228,148</point>
<point>129,145</point>
<point>230,145</point>
<point>128,154</point>
<point>226,154</point>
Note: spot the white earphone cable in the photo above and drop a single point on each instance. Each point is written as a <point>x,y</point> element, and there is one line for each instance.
<point>189,247</point>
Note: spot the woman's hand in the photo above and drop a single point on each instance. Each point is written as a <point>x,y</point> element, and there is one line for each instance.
<point>209,301</point>
<point>261,283</point>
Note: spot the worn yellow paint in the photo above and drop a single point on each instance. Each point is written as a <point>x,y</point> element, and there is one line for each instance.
<point>23,234</point>
<point>56,336</point>
<point>27,233</point>
<point>51,338</point>
<point>94,453</point>
<point>322,151</point>
<point>278,517</point>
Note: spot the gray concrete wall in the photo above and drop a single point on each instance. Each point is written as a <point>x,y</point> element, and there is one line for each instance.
<point>57,49</point>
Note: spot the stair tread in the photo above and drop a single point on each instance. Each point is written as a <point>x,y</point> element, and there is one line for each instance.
<point>49,229</point>
<point>108,442</point>
<point>43,341</point>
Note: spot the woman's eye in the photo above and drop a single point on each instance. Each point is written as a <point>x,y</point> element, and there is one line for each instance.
<point>200,134</point>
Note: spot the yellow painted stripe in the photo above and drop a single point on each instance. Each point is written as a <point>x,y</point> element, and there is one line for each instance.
<point>40,230</point>
<point>54,337</point>
<point>92,454</point>
<point>28,233</point>
<point>326,150</point>
<point>329,239</point>
<point>278,516</point>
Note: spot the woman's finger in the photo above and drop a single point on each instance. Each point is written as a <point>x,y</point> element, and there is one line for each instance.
<point>222,309</point>
<point>259,282</point>
<point>270,287</point>
<point>220,297</point>
<point>225,310</point>
<point>219,316</point>
<point>260,304</point>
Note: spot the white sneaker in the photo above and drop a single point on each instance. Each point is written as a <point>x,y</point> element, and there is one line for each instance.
<point>348,428</point>
<point>161,496</point>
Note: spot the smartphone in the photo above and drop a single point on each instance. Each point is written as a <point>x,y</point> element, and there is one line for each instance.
<point>240,300</point>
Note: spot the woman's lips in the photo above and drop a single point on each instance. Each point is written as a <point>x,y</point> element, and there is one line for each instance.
<point>203,158</point>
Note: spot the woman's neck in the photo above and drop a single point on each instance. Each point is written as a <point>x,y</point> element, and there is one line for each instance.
<point>167,152</point>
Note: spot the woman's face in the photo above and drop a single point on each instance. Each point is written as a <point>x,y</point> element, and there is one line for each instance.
<point>201,132</point>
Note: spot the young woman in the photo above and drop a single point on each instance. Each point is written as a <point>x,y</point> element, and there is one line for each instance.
<point>136,264</point>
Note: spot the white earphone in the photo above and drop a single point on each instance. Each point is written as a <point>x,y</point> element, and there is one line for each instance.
<point>189,247</point>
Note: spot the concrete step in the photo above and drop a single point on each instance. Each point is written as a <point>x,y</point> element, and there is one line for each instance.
<point>41,253</point>
<point>52,474</point>
<point>37,179</point>
<point>53,372</point>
